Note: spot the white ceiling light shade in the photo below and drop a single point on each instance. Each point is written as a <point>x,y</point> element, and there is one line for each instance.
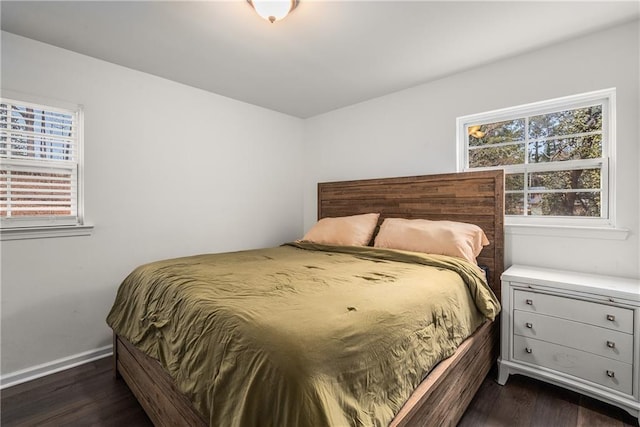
<point>273,10</point>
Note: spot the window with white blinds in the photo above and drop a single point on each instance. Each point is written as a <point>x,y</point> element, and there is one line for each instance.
<point>39,159</point>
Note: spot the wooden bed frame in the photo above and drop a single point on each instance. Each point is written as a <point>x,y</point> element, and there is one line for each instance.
<point>441,399</point>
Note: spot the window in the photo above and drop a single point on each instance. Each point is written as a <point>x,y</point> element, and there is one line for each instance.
<point>556,156</point>
<point>39,165</point>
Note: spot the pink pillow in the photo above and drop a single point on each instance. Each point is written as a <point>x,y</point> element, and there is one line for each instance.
<point>355,230</point>
<point>457,239</point>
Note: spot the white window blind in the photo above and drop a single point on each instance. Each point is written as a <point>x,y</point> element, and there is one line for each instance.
<point>39,158</point>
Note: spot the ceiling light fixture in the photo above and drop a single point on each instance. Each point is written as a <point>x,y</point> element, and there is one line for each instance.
<point>273,10</point>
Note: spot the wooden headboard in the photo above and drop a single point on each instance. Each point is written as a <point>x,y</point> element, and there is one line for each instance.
<point>474,197</point>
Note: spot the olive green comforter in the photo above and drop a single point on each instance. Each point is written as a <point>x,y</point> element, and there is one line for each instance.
<point>302,334</point>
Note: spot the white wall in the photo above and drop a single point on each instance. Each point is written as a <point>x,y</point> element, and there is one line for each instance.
<point>170,171</point>
<point>412,132</point>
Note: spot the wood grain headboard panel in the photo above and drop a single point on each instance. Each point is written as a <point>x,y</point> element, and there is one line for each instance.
<point>474,197</point>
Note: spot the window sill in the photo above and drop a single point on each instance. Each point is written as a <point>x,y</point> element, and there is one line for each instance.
<point>45,232</point>
<point>605,233</point>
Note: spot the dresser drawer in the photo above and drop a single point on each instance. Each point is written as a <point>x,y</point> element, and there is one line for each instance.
<point>580,336</point>
<point>603,315</point>
<point>597,369</point>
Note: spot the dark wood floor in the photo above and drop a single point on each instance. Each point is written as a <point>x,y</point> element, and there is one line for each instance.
<point>88,395</point>
<point>527,402</point>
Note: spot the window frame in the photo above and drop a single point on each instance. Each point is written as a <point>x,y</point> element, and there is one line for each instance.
<point>50,226</point>
<point>606,97</point>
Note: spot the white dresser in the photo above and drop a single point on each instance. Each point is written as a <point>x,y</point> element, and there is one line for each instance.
<point>575,330</point>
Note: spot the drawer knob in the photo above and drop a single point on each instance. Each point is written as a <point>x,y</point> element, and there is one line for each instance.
<point>611,317</point>
<point>611,344</point>
<point>529,350</point>
<point>611,374</point>
<point>529,302</point>
<point>529,325</point>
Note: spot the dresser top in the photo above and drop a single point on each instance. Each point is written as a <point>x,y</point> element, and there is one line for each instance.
<point>617,287</point>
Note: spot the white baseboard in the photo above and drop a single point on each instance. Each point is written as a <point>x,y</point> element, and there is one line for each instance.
<point>49,368</point>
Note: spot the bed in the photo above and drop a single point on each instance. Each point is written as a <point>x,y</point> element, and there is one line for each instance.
<point>439,399</point>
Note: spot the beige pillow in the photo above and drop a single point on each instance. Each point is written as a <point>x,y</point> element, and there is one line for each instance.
<point>355,230</point>
<point>451,238</point>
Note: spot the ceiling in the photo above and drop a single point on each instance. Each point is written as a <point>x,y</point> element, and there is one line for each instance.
<point>325,55</point>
